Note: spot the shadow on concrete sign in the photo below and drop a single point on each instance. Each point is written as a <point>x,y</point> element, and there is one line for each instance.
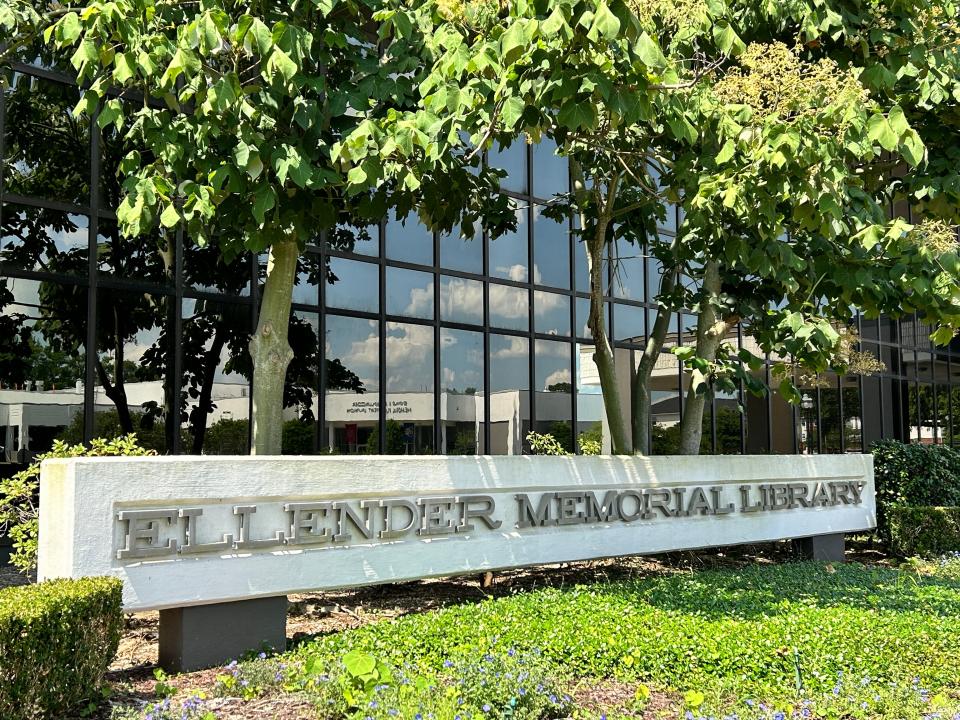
<point>185,532</point>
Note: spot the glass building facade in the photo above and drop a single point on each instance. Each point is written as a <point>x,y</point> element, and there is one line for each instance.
<point>405,341</point>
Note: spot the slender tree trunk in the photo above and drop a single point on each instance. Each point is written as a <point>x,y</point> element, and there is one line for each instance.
<point>270,350</point>
<point>648,361</point>
<point>117,396</point>
<point>171,405</point>
<point>711,330</point>
<point>603,352</point>
<point>204,404</point>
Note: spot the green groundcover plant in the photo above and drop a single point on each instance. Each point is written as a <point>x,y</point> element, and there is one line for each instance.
<point>780,642</point>
<point>56,640</point>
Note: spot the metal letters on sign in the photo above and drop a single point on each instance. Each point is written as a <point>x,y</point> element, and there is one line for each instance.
<point>167,532</point>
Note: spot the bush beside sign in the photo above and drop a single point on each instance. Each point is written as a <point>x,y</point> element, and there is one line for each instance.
<point>193,531</point>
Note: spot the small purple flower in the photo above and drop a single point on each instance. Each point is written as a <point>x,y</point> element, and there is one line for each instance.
<point>448,663</point>
<point>262,655</point>
<point>486,708</point>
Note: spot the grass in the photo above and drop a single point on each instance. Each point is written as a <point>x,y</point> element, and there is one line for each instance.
<point>804,640</point>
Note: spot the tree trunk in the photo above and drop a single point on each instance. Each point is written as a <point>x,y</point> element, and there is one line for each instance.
<point>204,406</point>
<point>270,351</point>
<point>648,361</point>
<point>711,330</point>
<point>603,352</point>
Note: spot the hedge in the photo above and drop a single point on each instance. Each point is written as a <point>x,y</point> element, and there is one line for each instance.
<point>56,640</point>
<point>924,531</point>
<point>913,475</point>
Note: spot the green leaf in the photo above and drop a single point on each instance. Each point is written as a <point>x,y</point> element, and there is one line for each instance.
<point>605,22</point>
<point>726,152</point>
<point>879,130</point>
<point>359,663</point>
<point>727,39</point>
<point>280,62</point>
<point>264,198</point>
<point>898,121</point>
<point>170,216</point>
<point>912,148</point>
<point>85,54</point>
<point>649,52</point>
<point>577,114</point>
<point>124,67</point>
<point>512,110</point>
<point>69,27</point>
<point>516,39</point>
<point>555,22</point>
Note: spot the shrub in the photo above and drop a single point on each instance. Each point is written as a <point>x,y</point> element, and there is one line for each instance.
<point>19,495</point>
<point>923,531</point>
<point>56,641</point>
<point>914,475</point>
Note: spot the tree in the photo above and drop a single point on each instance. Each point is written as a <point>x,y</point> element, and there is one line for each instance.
<point>244,106</point>
<point>757,119</point>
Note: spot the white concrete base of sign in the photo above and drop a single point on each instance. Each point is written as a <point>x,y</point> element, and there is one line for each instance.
<point>192,638</point>
<point>823,548</point>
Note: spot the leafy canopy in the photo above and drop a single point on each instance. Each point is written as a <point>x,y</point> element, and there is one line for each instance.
<point>234,108</point>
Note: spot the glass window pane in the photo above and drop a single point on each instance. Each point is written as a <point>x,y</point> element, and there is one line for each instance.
<point>808,431</point>
<point>581,269</point>
<point>351,399</point>
<point>410,385</point>
<point>628,275</point>
<point>508,252</point>
<point>134,359</point>
<point>360,239</point>
<point>852,414</point>
<point>42,343</point>
<point>628,323</point>
<point>47,146</point>
<point>551,174</point>
<point>551,313</point>
<point>462,253</point>
<point>590,407</point>
<point>353,285</point>
<point>727,409</point>
<point>461,300</point>
<point>551,251</point>
<point>302,385</point>
<point>408,240</point>
<point>149,258</point>
<point>665,400</point>
<point>461,357</point>
<point>410,293</point>
<point>514,160</point>
<point>583,318</point>
<point>509,406</point>
<point>46,240</point>
<point>306,291</point>
<point>216,371</point>
<point>509,307</point>
<point>554,386</point>
<point>204,269</point>
<point>757,421</point>
<point>831,422</point>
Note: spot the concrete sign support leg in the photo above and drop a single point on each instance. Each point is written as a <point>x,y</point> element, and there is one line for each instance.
<point>204,636</point>
<point>824,548</point>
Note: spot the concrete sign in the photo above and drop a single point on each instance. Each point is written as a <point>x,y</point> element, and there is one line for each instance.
<point>186,531</point>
